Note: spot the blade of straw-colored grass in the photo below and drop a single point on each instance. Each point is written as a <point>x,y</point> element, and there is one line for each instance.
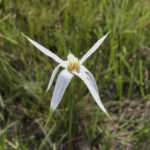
<point>7,127</point>
<point>1,102</point>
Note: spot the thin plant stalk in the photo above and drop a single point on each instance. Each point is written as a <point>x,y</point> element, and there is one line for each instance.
<point>70,114</point>
<point>49,117</point>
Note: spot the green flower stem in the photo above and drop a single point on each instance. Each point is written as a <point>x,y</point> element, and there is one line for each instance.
<point>70,114</point>
<point>49,117</point>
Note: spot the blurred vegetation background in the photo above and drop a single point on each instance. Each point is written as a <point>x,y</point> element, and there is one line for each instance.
<point>121,67</point>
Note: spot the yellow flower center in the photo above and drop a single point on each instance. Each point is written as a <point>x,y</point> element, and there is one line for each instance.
<point>73,64</point>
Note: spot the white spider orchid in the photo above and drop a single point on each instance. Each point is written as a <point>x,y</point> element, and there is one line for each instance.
<point>72,66</point>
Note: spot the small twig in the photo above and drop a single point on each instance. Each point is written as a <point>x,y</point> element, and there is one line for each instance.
<point>14,146</point>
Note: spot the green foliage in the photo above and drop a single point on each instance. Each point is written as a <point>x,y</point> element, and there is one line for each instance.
<point>121,68</point>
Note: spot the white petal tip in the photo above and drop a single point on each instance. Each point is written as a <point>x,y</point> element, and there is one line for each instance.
<point>24,35</point>
<point>43,49</point>
<point>108,115</point>
<point>94,48</point>
<point>105,35</point>
<point>51,109</point>
<point>47,89</point>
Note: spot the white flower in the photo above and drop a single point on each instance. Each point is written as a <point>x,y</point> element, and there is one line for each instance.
<point>72,66</point>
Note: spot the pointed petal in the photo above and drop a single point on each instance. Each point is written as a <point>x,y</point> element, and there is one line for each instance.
<point>93,82</point>
<point>61,84</point>
<point>52,77</point>
<point>89,80</point>
<point>44,50</point>
<point>93,49</point>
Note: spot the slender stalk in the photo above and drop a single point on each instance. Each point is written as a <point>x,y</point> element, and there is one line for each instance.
<point>49,117</point>
<point>70,114</point>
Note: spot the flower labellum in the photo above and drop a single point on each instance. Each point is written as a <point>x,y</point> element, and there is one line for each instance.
<point>72,66</point>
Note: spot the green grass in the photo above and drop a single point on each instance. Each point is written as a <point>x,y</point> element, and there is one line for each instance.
<point>121,68</point>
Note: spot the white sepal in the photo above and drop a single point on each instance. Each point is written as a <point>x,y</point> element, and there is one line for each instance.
<point>61,84</point>
<point>89,80</point>
<point>93,82</point>
<point>52,77</point>
<point>93,49</point>
<point>45,50</point>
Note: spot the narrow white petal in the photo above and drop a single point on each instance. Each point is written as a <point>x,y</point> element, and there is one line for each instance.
<point>61,84</point>
<point>52,77</point>
<point>93,82</point>
<point>89,80</point>
<point>45,50</point>
<point>93,49</point>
